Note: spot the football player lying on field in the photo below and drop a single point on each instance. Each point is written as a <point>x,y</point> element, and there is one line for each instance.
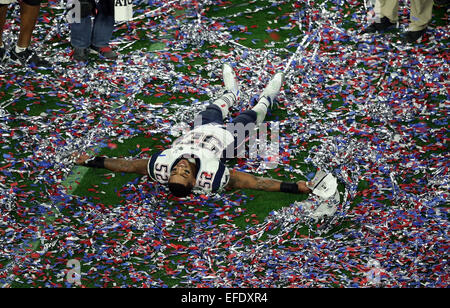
<point>196,159</point>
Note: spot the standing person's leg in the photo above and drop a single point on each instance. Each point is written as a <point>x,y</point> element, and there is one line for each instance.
<point>22,53</point>
<point>28,18</point>
<point>3,12</point>
<point>80,38</point>
<point>387,16</point>
<point>103,29</point>
<point>389,9</point>
<point>81,31</point>
<point>421,13</point>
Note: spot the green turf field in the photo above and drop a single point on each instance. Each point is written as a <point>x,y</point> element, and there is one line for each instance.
<point>127,231</point>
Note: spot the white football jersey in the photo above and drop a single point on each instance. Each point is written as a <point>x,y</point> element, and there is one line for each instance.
<point>204,144</point>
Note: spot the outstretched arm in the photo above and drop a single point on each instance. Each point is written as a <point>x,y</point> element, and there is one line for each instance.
<point>138,166</point>
<point>242,180</point>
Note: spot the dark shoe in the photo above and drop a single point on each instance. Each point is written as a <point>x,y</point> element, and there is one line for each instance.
<point>2,54</point>
<point>105,52</point>
<point>80,54</point>
<point>28,57</point>
<point>381,26</point>
<point>442,2</point>
<point>410,37</point>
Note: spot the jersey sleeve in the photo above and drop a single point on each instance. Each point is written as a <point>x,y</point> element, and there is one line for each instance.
<point>158,168</point>
<point>224,179</point>
<point>214,178</point>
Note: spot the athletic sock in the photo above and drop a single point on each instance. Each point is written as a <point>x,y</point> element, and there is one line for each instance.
<point>261,109</point>
<point>225,102</point>
<point>20,49</point>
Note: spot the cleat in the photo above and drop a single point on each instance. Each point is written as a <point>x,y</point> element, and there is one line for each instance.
<point>230,80</point>
<point>267,98</point>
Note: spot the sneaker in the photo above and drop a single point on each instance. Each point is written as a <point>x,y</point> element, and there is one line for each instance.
<point>230,80</point>
<point>410,37</point>
<point>28,57</point>
<point>273,88</point>
<point>80,54</point>
<point>2,54</point>
<point>381,26</point>
<point>106,52</point>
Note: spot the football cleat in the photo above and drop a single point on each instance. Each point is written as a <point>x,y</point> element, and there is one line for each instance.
<point>273,88</point>
<point>230,80</point>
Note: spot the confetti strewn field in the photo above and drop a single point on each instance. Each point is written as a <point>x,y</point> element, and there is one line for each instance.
<point>365,107</point>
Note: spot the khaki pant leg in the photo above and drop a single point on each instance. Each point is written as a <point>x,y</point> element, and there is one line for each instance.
<point>389,9</point>
<point>420,14</point>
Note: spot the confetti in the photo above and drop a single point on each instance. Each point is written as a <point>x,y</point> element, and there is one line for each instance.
<point>372,112</point>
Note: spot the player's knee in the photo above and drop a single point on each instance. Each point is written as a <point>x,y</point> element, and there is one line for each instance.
<point>246,117</point>
<point>32,2</point>
<point>213,107</point>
